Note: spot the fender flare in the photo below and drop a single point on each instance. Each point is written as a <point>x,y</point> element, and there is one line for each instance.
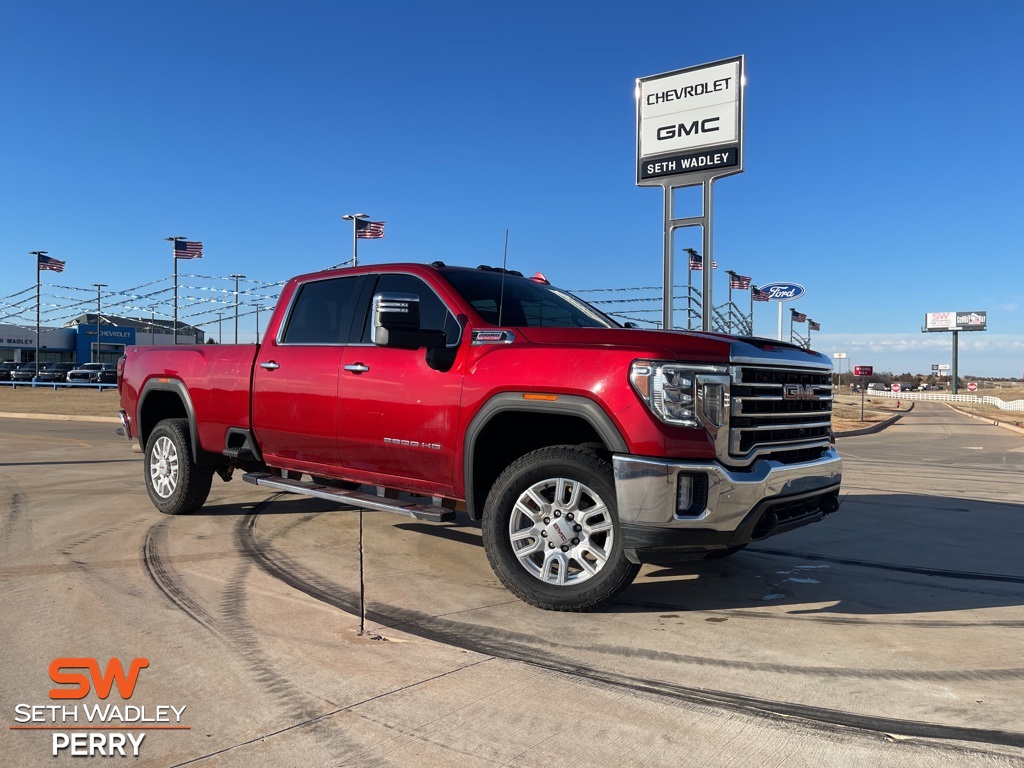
<point>177,387</point>
<point>566,405</point>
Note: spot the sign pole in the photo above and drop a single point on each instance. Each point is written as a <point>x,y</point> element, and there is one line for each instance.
<point>668,267</point>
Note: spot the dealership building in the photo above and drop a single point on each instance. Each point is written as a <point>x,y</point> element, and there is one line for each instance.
<point>75,342</point>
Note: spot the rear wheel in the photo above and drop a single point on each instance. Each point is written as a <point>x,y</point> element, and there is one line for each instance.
<point>176,484</point>
<point>551,530</point>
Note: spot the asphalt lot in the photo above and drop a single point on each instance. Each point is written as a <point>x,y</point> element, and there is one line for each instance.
<point>889,634</point>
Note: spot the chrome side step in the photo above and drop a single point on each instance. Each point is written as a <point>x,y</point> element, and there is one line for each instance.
<point>354,498</point>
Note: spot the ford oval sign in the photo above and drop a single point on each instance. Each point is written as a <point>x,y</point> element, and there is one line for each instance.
<point>783,291</point>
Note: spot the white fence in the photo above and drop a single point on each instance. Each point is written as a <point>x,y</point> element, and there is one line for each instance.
<point>1016,405</point>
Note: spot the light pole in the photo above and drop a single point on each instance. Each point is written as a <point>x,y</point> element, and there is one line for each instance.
<point>174,253</point>
<point>258,308</point>
<point>354,218</point>
<point>220,336</point>
<point>38,255</point>
<point>99,287</point>
<point>237,278</point>
<point>152,325</point>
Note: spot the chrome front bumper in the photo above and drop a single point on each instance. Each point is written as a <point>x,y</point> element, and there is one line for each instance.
<point>647,489</point>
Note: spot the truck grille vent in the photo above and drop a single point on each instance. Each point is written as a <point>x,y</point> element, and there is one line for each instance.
<point>780,413</point>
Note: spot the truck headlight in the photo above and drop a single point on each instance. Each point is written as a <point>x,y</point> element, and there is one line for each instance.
<point>670,389</point>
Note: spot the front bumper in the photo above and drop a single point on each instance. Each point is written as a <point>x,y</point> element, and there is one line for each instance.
<point>725,509</point>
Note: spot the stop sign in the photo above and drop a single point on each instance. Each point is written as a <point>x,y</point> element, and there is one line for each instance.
<point>896,387</point>
<point>972,387</point>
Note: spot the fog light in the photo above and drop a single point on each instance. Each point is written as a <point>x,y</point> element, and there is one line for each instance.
<point>684,494</point>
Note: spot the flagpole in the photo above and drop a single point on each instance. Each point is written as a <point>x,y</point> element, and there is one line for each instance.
<point>354,218</point>
<point>751,309</point>
<point>174,254</point>
<point>38,255</point>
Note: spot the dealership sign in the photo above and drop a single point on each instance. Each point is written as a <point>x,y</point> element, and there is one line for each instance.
<point>955,321</point>
<point>784,291</point>
<point>690,120</point>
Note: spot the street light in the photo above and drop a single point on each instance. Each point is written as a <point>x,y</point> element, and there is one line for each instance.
<point>38,255</point>
<point>237,278</point>
<point>258,308</point>
<point>220,336</point>
<point>174,253</point>
<point>99,287</point>
<point>152,325</point>
<point>354,217</point>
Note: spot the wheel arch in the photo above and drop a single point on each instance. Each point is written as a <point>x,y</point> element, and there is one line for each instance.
<point>508,426</point>
<point>169,399</point>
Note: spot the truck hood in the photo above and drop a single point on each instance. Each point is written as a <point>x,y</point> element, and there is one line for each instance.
<point>687,346</point>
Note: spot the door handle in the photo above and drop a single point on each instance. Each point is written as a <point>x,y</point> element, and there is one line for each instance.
<point>270,366</point>
<point>357,368</point>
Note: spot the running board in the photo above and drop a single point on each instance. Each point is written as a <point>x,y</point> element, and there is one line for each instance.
<point>354,498</point>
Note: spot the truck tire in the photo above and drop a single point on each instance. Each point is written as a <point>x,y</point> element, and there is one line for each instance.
<point>176,484</point>
<point>551,530</point>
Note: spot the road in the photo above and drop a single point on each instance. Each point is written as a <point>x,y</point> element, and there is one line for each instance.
<point>889,634</point>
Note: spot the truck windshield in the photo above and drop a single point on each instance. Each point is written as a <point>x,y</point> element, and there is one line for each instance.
<point>524,302</point>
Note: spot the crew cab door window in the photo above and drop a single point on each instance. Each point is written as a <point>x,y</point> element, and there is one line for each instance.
<point>322,312</point>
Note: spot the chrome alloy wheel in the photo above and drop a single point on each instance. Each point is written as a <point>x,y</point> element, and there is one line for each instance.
<point>561,531</point>
<point>163,467</point>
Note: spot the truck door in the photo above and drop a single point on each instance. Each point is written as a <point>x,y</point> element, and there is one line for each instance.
<point>399,417</point>
<point>295,383</point>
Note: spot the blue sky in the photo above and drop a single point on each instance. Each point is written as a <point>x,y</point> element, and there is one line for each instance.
<point>884,170</point>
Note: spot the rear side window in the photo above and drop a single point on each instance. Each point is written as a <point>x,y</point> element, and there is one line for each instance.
<point>322,312</point>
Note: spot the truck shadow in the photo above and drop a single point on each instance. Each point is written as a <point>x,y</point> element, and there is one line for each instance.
<point>881,554</point>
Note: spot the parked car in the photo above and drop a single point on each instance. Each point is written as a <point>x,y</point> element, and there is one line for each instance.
<point>84,372</point>
<point>877,386</point>
<point>107,374</point>
<point>55,372</point>
<point>6,369</point>
<point>24,372</point>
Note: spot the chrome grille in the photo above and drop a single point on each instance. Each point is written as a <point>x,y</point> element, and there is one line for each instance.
<point>783,413</point>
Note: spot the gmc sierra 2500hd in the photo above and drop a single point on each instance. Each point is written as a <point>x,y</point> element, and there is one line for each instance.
<point>584,448</point>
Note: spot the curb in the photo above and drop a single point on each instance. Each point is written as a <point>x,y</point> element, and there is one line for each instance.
<point>878,427</point>
<point>994,422</point>
<point>55,417</point>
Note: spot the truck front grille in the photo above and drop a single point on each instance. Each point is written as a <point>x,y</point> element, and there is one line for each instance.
<point>783,413</point>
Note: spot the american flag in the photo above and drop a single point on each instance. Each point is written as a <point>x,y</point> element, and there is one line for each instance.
<point>183,249</point>
<point>697,262</point>
<point>798,317</point>
<point>813,326</point>
<point>54,265</point>
<point>369,230</point>
<point>739,281</point>
<point>758,295</point>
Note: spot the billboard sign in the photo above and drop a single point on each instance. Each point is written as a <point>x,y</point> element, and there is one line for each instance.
<point>690,120</point>
<point>941,367</point>
<point>784,291</point>
<point>956,321</point>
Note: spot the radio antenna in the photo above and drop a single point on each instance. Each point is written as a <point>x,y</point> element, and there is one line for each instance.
<point>504,264</point>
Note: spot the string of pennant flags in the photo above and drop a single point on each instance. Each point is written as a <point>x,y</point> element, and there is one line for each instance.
<point>205,299</point>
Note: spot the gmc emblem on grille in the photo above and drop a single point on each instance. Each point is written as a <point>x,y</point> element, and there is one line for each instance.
<point>798,392</point>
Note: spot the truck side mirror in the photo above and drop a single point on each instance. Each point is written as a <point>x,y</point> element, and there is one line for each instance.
<point>396,323</point>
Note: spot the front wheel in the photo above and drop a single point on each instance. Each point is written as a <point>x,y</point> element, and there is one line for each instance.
<point>551,530</point>
<point>176,484</point>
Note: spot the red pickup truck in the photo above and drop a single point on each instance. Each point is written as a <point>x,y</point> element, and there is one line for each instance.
<point>584,448</point>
